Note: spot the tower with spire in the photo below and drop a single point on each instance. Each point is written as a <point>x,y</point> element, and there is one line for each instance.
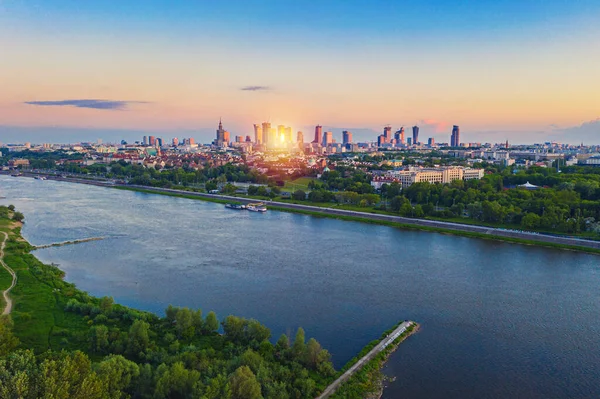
<point>221,139</point>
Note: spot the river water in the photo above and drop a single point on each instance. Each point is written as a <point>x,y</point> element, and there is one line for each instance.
<point>498,319</point>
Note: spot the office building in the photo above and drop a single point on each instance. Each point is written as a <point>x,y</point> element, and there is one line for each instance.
<point>415,137</point>
<point>258,134</point>
<point>346,137</point>
<point>399,136</point>
<point>300,138</point>
<point>288,135</point>
<point>455,137</point>
<point>318,134</point>
<point>380,140</point>
<point>327,139</point>
<point>266,132</point>
<point>159,142</point>
<point>145,140</point>
<point>409,141</point>
<point>175,142</point>
<point>387,132</point>
<point>431,142</point>
<point>152,141</point>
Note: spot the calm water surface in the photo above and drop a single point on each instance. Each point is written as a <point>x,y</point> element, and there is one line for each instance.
<point>498,320</point>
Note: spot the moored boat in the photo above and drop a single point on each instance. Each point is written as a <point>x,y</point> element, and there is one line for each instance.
<point>235,205</point>
<point>257,207</point>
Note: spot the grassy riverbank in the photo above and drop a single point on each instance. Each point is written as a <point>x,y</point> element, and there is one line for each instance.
<point>368,382</point>
<point>181,355</point>
<point>366,219</point>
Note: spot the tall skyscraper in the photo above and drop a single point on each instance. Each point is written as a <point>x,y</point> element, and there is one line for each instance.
<point>266,130</point>
<point>318,134</point>
<point>280,134</point>
<point>145,140</point>
<point>431,142</point>
<point>159,142</point>
<point>220,135</point>
<point>387,132</point>
<point>399,136</point>
<point>258,134</point>
<point>327,139</point>
<point>175,141</point>
<point>300,138</point>
<point>226,137</point>
<point>380,140</point>
<point>415,137</point>
<point>455,137</point>
<point>248,139</point>
<point>346,137</point>
<point>152,141</point>
<point>409,141</point>
<point>288,135</point>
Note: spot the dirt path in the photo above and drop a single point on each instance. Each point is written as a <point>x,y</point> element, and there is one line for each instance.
<point>7,299</point>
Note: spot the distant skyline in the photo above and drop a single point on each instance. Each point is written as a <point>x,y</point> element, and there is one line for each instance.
<point>525,71</point>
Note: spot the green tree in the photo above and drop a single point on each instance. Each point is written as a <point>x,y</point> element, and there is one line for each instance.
<point>184,323</point>
<point>299,195</point>
<point>298,347</point>
<point>138,339</point>
<point>18,217</point>
<point>98,337</point>
<point>106,304</point>
<point>8,342</point>
<point>118,374</point>
<point>244,385</point>
<point>211,323</point>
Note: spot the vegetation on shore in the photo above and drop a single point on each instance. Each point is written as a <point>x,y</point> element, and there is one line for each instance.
<point>61,342</point>
<point>368,381</point>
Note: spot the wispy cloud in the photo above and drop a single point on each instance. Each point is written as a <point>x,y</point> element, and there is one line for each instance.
<point>255,88</point>
<point>87,103</point>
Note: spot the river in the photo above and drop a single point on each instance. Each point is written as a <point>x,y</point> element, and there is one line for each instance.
<point>497,319</point>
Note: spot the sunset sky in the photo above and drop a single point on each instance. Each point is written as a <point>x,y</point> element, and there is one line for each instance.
<point>527,71</point>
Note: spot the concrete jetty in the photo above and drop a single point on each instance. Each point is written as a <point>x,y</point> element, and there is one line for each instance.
<point>330,390</point>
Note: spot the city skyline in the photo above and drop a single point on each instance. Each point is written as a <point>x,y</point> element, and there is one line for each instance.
<point>174,69</point>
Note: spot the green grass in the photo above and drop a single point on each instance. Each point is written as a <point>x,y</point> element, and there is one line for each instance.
<point>40,321</point>
<point>299,184</point>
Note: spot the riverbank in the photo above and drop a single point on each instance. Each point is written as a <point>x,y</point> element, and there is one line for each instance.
<point>465,230</point>
<point>459,229</point>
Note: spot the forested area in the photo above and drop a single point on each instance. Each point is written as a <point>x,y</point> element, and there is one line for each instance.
<point>60,342</point>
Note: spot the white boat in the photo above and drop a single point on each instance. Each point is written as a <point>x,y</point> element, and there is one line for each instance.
<point>256,207</point>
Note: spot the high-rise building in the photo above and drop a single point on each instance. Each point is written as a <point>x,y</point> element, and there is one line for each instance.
<point>239,139</point>
<point>346,137</point>
<point>221,135</point>
<point>280,134</point>
<point>327,139</point>
<point>175,141</point>
<point>248,139</point>
<point>380,140</point>
<point>159,142</point>
<point>145,140</point>
<point>300,138</point>
<point>192,141</point>
<point>266,131</point>
<point>415,137</point>
<point>409,141</point>
<point>318,134</point>
<point>258,134</point>
<point>431,142</point>
<point>387,132</point>
<point>152,141</point>
<point>226,138</point>
<point>288,135</point>
<point>455,137</point>
<point>399,136</point>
